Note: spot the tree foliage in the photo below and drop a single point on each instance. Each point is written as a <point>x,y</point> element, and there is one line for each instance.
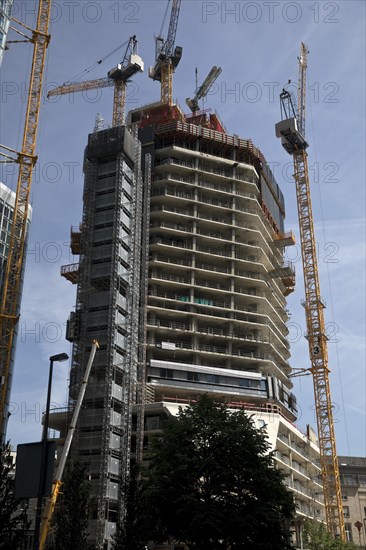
<point>13,522</point>
<point>71,517</point>
<point>316,537</point>
<point>211,483</point>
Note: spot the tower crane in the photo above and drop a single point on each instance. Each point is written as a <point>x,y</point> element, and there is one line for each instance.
<point>291,130</point>
<point>117,77</point>
<point>26,158</point>
<point>203,89</point>
<point>167,57</point>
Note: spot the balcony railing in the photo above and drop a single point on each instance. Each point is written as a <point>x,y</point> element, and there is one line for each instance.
<point>170,260</point>
<point>166,277</point>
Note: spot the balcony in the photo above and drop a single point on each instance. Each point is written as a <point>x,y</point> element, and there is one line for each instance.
<point>174,226</point>
<point>168,277</point>
<point>298,487</point>
<point>177,243</point>
<point>170,260</point>
<point>293,446</point>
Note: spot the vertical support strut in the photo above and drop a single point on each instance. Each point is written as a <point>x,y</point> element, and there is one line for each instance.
<point>143,312</point>
<point>167,83</point>
<point>119,102</point>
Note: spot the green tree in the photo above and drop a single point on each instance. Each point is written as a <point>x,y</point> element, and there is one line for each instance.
<point>211,483</point>
<point>71,517</point>
<point>316,537</point>
<point>13,522</point>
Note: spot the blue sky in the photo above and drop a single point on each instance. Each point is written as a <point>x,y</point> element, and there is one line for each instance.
<point>256,44</point>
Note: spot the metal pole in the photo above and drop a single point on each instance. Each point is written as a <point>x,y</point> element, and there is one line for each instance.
<point>42,474</point>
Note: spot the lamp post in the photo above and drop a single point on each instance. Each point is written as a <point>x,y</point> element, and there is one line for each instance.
<point>42,475</point>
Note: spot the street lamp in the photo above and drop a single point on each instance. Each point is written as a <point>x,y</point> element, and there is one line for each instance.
<point>42,475</point>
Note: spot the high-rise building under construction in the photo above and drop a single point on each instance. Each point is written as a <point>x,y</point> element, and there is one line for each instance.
<point>199,308</point>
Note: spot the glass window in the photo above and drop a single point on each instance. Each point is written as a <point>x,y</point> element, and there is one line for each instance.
<point>192,376</point>
<point>248,383</point>
<point>349,479</point>
<point>213,378</point>
<point>362,481</point>
<point>346,511</point>
<point>166,373</point>
<point>348,528</point>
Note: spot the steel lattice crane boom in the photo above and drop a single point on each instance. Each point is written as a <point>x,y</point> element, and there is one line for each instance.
<point>117,77</point>
<point>203,89</point>
<point>291,130</point>
<point>167,57</point>
<point>10,300</point>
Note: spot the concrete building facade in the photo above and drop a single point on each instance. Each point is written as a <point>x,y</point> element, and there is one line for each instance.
<point>5,13</point>
<point>352,470</point>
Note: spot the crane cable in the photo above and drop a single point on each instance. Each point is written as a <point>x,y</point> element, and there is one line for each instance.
<point>89,69</point>
<point>164,18</point>
<point>329,282</point>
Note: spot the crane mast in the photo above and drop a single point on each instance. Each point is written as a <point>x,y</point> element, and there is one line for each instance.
<point>10,300</point>
<point>167,57</point>
<point>291,130</point>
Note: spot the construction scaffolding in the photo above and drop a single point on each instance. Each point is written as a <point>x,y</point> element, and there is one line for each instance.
<point>144,259</point>
<point>112,258</point>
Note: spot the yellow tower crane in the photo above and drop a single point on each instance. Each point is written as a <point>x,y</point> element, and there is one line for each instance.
<point>167,57</point>
<point>117,77</point>
<point>26,158</point>
<point>291,130</point>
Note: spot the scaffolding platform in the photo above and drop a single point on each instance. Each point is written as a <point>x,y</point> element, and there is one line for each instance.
<point>285,239</point>
<point>75,240</point>
<point>286,273</point>
<point>70,272</point>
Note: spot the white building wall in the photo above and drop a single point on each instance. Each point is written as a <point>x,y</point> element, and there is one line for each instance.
<point>5,11</point>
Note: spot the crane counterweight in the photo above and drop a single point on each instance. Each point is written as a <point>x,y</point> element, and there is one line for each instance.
<point>120,72</point>
<point>291,138</point>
